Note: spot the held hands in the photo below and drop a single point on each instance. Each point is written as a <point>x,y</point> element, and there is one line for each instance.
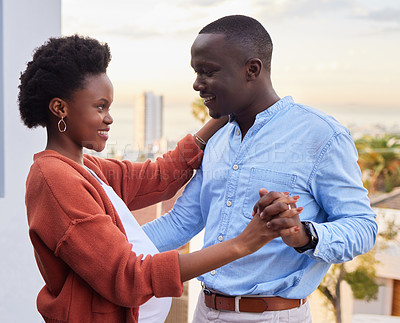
<point>281,215</point>
<point>271,219</point>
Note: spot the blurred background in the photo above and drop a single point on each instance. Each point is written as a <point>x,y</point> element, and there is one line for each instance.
<point>339,56</point>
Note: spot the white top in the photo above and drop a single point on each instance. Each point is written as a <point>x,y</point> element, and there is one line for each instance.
<point>155,310</point>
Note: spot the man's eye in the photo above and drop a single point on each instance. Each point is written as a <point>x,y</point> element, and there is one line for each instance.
<point>206,73</point>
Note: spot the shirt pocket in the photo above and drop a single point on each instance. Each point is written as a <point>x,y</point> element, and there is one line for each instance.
<point>269,179</point>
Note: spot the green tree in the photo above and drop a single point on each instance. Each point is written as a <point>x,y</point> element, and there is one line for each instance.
<point>379,160</point>
<point>360,274</point>
<point>361,280</point>
<point>200,111</point>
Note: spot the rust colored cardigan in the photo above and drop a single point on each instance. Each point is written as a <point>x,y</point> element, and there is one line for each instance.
<point>90,272</point>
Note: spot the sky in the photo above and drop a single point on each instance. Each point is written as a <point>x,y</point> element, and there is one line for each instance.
<point>335,55</point>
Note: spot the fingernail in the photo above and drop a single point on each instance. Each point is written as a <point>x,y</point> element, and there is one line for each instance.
<point>296,229</point>
<point>286,193</point>
<point>253,213</point>
<point>268,225</point>
<point>300,209</point>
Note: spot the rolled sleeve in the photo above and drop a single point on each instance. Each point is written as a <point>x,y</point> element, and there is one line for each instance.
<point>351,228</point>
<point>166,274</point>
<point>190,152</point>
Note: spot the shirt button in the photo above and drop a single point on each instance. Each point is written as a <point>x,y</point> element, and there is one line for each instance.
<point>316,251</point>
<point>235,167</point>
<point>220,238</point>
<point>212,272</point>
<point>228,203</point>
<point>238,133</point>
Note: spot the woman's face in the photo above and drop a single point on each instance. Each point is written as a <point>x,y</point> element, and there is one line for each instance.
<point>88,116</point>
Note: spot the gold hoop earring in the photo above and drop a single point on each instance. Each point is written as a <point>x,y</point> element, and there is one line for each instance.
<point>62,126</point>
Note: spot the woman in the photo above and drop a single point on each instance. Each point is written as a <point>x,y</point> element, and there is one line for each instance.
<point>77,204</point>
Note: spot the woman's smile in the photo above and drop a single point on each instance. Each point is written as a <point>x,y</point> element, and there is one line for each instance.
<point>103,133</point>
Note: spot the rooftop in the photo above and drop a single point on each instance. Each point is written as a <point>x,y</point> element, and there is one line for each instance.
<point>389,200</point>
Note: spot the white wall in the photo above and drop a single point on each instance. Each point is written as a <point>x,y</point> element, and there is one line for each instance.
<point>1,105</point>
<point>194,285</point>
<point>382,305</point>
<point>26,24</point>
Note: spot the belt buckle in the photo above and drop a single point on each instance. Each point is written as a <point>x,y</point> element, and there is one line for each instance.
<point>237,308</point>
<point>206,290</point>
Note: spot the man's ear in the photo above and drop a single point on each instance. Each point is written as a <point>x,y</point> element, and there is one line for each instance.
<point>254,66</point>
<point>57,107</point>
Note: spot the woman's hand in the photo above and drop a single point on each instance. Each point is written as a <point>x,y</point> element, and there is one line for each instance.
<point>271,219</point>
<point>288,218</point>
<point>256,234</point>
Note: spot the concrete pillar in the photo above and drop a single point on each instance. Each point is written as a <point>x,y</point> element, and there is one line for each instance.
<point>25,25</point>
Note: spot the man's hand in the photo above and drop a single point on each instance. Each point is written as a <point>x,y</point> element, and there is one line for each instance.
<point>280,212</point>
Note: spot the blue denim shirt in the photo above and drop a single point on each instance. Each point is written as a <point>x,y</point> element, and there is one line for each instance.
<point>293,148</point>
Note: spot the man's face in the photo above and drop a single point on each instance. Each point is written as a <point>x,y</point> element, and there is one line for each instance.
<point>221,74</point>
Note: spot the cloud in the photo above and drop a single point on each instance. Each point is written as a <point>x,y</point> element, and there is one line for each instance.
<point>196,3</point>
<point>135,20</point>
<point>385,20</point>
<point>305,9</point>
<point>150,19</point>
<point>385,15</point>
<point>302,9</point>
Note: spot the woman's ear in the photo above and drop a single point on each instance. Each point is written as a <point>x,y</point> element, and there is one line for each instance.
<point>254,66</point>
<point>57,107</point>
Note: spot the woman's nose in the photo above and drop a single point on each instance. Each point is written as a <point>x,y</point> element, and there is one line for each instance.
<point>108,119</point>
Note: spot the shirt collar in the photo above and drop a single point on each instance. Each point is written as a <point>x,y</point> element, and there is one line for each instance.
<point>273,109</point>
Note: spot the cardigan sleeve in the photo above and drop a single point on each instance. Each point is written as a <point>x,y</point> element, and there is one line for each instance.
<point>99,253</point>
<point>144,184</point>
<point>68,222</point>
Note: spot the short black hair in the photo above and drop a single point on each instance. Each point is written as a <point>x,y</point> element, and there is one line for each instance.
<point>246,31</point>
<point>58,68</point>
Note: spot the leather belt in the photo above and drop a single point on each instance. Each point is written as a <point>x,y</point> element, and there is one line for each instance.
<point>249,304</point>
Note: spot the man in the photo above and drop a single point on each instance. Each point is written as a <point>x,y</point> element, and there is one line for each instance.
<point>270,143</point>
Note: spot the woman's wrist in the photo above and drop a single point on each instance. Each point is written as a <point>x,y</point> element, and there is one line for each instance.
<point>239,247</point>
<point>202,136</point>
<point>199,141</point>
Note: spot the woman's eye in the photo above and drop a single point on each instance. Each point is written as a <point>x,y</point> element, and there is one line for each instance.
<point>101,106</point>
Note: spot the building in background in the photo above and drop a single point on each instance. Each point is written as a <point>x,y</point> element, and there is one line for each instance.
<point>148,122</point>
<point>387,208</point>
<point>386,308</point>
<point>24,25</point>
